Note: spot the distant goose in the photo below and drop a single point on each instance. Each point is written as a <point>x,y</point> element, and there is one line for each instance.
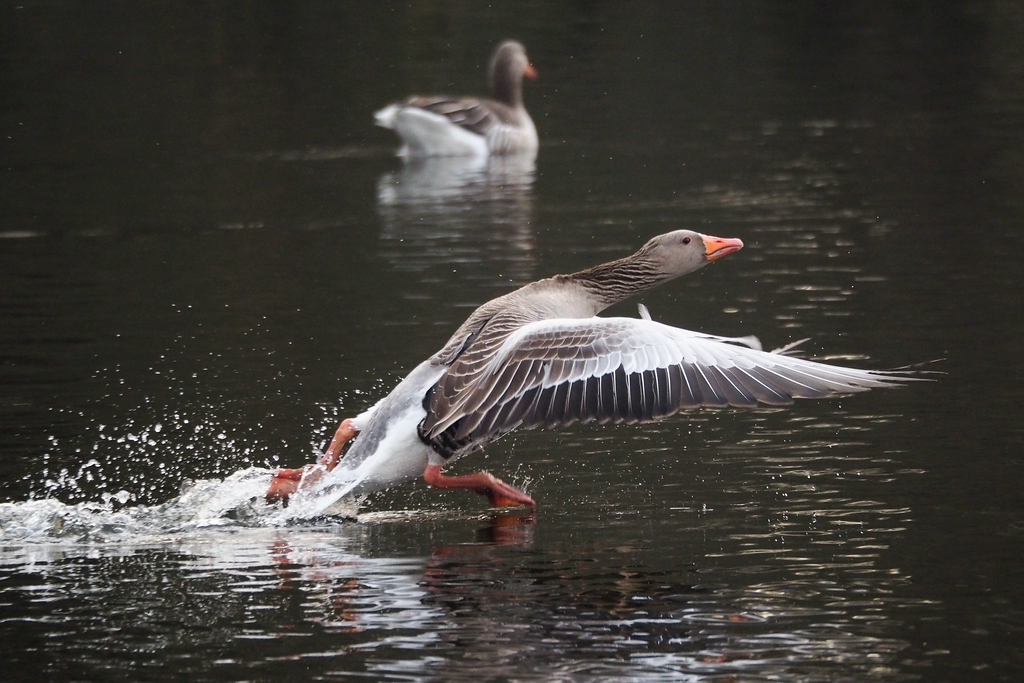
<point>469,126</point>
<point>537,357</point>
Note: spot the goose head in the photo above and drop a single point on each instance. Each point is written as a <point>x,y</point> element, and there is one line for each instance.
<point>508,66</point>
<point>684,251</point>
<point>663,258</point>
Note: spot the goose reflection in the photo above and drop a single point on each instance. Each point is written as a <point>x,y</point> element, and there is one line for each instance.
<point>370,595</point>
<point>328,581</point>
<point>517,608</point>
<point>473,214</point>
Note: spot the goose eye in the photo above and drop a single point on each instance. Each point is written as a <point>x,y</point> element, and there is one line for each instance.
<point>686,240</point>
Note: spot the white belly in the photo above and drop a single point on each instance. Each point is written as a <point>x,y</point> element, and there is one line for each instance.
<point>399,457</point>
<point>388,451</point>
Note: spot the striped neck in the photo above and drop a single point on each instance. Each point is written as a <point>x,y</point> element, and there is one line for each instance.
<point>610,283</point>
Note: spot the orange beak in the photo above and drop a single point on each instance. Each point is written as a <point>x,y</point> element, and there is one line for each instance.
<point>717,247</point>
<point>530,72</point>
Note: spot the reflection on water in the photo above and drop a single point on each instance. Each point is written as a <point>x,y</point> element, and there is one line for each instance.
<point>465,215</point>
<point>719,544</point>
<point>361,598</point>
<point>857,150</point>
<point>759,553</point>
<point>754,545</point>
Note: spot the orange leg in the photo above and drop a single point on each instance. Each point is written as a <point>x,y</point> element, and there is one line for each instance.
<point>498,492</point>
<point>287,481</point>
<point>341,437</point>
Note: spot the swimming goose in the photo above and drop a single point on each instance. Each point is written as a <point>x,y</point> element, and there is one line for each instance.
<point>469,126</point>
<point>538,357</point>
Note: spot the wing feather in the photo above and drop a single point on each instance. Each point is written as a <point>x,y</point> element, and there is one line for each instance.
<point>634,383</point>
<point>606,407</point>
<point>475,115</point>
<point>557,372</point>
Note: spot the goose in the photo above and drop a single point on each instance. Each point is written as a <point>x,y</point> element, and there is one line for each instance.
<point>469,126</point>
<point>540,357</point>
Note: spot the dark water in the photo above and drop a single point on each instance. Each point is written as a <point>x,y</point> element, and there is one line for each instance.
<point>208,256</point>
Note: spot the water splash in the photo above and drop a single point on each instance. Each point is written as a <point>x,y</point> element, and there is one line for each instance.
<point>236,500</point>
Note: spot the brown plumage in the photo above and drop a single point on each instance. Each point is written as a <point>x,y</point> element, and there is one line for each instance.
<point>538,357</point>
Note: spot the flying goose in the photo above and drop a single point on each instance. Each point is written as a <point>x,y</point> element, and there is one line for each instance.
<point>469,126</point>
<point>539,357</point>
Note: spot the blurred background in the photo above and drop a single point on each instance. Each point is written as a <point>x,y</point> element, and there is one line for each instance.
<point>209,255</point>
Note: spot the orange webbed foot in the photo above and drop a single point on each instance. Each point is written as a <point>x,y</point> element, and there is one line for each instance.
<point>498,493</point>
<point>286,482</point>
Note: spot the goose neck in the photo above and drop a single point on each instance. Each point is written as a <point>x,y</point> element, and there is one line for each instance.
<point>610,283</point>
<point>506,88</point>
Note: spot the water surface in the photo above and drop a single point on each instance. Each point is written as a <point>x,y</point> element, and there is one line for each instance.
<point>208,256</point>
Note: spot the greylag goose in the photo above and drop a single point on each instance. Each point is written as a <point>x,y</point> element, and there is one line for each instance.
<point>469,126</point>
<point>538,357</point>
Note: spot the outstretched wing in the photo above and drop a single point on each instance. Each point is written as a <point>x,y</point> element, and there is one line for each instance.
<point>556,372</point>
